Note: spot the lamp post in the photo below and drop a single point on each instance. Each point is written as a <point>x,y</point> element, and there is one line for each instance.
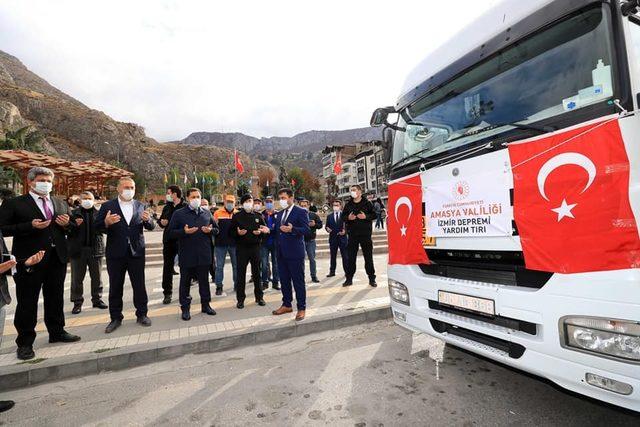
<point>117,150</point>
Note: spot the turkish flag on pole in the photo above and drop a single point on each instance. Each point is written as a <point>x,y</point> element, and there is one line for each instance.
<point>237,162</point>
<point>404,226</point>
<point>571,200</point>
<point>337,168</point>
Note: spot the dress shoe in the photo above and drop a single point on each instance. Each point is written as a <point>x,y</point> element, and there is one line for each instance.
<point>347,283</point>
<point>276,287</point>
<point>240,304</point>
<point>5,405</point>
<point>261,302</point>
<point>282,310</point>
<point>373,283</point>
<point>25,352</point>
<point>112,326</point>
<point>144,321</point>
<point>331,275</point>
<point>185,313</point>
<point>315,280</point>
<point>77,308</point>
<point>300,315</point>
<point>100,304</point>
<point>218,291</point>
<point>64,336</point>
<point>166,299</point>
<point>175,273</point>
<point>207,309</point>
<point>265,286</point>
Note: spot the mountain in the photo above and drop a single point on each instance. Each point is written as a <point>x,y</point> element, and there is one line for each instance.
<point>74,131</point>
<point>303,150</point>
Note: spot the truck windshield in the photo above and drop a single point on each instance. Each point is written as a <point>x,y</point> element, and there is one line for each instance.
<point>565,67</point>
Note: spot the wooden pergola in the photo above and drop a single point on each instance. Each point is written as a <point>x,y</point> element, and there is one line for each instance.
<point>70,177</point>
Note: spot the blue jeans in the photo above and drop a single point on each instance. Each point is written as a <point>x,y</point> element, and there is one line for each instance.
<point>310,248</point>
<point>266,252</point>
<point>221,255</point>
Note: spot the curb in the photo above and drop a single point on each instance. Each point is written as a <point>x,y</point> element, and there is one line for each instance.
<point>26,374</point>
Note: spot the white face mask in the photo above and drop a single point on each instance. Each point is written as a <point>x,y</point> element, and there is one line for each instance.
<point>195,203</point>
<point>128,194</point>
<point>284,203</point>
<point>43,187</point>
<point>354,194</point>
<point>336,208</point>
<point>87,204</point>
<point>247,207</point>
<point>169,198</point>
<point>257,208</point>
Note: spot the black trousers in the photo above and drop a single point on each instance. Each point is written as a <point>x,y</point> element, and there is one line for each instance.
<point>365,242</point>
<point>200,274</point>
<point>79,266</point>
<point>169,252</point>
<point>336,243</point>
<point>49,276</point>
<point>246,255</point>
<point>117,268</point>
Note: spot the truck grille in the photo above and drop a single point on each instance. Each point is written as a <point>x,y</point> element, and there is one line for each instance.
<point>500,267</point>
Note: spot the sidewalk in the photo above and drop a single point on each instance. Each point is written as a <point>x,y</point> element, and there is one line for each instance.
<point>329,306</point>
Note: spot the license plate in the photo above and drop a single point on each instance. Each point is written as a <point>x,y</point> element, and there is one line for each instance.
<point>466,302</point>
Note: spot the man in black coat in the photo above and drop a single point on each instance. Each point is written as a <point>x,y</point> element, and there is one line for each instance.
<point>169,246</point>
<point>86,249</point>
<point>123,219</point>
<point>192,227</point>
<point>38,222</point>
<point>248,227</point>
<point>358,215</point>
<point>5,299</point>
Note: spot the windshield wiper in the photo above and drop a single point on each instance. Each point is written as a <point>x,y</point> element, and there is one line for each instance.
<point>541,129</point>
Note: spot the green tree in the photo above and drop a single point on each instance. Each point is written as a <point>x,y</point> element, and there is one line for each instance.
<point>296,180</point>
<point>22,139</point>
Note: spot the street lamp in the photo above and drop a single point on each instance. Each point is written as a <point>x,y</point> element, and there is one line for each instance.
<point>117,148</point>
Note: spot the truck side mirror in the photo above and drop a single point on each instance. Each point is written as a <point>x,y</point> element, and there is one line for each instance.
<point>380,115</point>
<point>387,136</point>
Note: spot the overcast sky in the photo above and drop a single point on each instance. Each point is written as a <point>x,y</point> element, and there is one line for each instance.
<point>260,67</point>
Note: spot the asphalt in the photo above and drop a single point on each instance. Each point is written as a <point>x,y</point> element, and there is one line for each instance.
<point>365,375</point>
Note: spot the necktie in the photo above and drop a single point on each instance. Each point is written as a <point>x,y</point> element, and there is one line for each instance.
<point>285,216</point>
<point>47,212</point>
<point>336,218</point>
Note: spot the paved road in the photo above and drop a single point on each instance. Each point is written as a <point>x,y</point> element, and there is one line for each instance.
<point>370,375</point>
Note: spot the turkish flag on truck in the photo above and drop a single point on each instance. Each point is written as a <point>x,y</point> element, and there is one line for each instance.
<point>571,200</point>
<point>404,226</point>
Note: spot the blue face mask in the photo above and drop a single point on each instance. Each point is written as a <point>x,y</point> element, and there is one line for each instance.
<point>269,205</point>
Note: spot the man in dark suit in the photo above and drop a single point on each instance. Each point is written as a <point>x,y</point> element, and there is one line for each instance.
<point>192,228</point>
<point>5,299</point>
<point>358,216</point>
<point>292,224</point>
<point>169,246</point>
<point>86,249</point>
<point>337,238</point>
<point>123,219</point>
<point>38,222</point>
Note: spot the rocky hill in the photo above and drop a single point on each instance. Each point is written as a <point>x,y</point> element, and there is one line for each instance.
<point>76,132</point>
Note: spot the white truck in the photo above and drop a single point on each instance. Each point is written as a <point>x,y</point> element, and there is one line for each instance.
<point>523,70</point>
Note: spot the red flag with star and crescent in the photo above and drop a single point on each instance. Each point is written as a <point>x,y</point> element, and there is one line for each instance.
<point>571,200</point>
<point>404,227</point>
<point>237,162</point>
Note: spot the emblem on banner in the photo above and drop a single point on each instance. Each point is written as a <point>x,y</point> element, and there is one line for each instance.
<point>460,190</point>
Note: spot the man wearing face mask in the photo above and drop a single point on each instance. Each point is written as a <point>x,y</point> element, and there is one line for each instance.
<point>86,249</point>
<point>123,219</point>
<point>225,242</point>
<point>192,227</point>
<point>38,222</point>
<point>358,216</point>
<point>337,238</point>
<point>268,248</point>
<point>248,227</point>
<point>315,223</point>
<point>292,224</point>
<point>169,247</point>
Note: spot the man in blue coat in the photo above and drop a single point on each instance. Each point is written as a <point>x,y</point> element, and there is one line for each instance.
<point>193,227</point>
<point>123,219</point>
<point>292,224</point>
<point>337,238</point>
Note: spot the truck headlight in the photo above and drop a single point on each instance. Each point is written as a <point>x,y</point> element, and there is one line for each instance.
<point>398,292</point>
<point>610,337</point>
